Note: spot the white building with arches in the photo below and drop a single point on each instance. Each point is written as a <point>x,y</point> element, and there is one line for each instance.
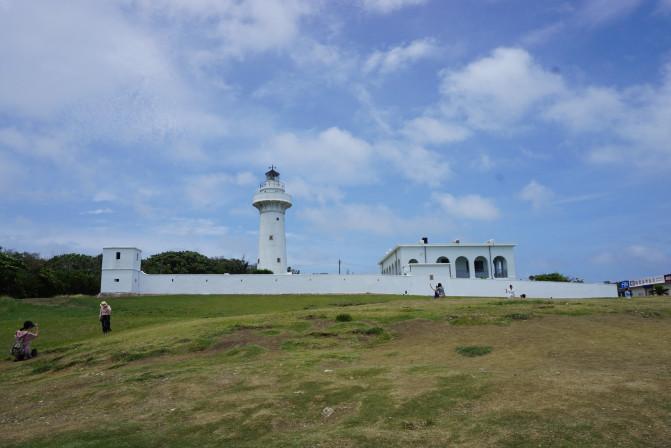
<point>488,260</point>
<point>464,269</point>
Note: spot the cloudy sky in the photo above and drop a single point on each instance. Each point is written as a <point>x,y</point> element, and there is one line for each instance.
<point>151,123</point>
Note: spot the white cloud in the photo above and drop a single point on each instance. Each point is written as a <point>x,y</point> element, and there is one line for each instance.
<point>471,206</point>
<point>387,6</point>
<point>647,253</point>
<point>321,164</point>
<point>632,123</point>
<point>541,35</point>
<point>495,92</point>
<point>646,124</point>
<point>97,211</point>
<point>591,109</point>
<point>632,254</point>
<point>484,163</point>
<point>375,219</point>
<point>239,26</point>
<point>604,155</point>
<point>192,227</point>
<point>598,12</point>
<point>54,148</point>
<point>87,72</point>
<point>508,89</point>
<point>54,68</point>
<point>416,163</point>
<point>210,190</point>
<point>333,157</point>
<point>537,194</point>
<point>399,57</point>
<point>431,130</point>
<point>104,196</point>
<point>299,188</point>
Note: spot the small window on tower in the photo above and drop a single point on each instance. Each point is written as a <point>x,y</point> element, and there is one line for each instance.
<point>118,255</point>
<point>270,237</point>
<point>277,219</point>
<point>278,260</point>
<point>116,280</point>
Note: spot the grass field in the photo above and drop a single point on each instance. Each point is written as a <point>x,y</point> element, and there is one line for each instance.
<point>339,371</point>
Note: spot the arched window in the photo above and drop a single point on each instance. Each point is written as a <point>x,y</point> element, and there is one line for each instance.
<point>480,267</point>
<point>500,267</point>
<point>443,260</point>
<point>462,268</point>
<point>412,261</point>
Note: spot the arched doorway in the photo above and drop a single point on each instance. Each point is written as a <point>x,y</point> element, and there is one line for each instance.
<point>443,260</point>
<point>462,268</point>
<point>500,267</point>
<point>480,267</point>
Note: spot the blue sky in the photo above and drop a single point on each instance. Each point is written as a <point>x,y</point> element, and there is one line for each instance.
<point>151,123</point>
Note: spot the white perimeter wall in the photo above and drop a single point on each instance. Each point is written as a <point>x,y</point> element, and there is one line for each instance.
<point>359,284</point>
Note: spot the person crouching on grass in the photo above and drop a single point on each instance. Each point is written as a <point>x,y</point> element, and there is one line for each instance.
<point>105,317</point>
<point>21,349</point>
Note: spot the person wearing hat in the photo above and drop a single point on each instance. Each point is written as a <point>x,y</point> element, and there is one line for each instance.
<point>21,349</point>
<point>105,316</point>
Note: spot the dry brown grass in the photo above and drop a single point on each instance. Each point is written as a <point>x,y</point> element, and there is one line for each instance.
<point>592,373</point>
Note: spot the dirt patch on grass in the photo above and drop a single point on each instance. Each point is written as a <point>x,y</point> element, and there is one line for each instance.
<point>414,327</point>
<point>249,337</point>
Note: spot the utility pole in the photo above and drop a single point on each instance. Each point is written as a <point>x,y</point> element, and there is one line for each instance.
<point>338,266</point>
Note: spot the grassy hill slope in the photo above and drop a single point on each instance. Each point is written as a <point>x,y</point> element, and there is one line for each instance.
<point>294,371</point>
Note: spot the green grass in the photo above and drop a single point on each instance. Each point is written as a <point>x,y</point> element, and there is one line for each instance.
<point>471,351</point>
<point>243,371</point>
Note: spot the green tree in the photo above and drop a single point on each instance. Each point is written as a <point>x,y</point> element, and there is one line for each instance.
<point>24,274</point>
<point>554,277</point>
<point>660,290</point>
<point>178,262</point>
<point>230,265</point>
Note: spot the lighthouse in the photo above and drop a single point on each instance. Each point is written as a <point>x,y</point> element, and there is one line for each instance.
<point>272,202</point>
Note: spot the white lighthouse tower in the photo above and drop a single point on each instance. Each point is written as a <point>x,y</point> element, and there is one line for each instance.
<point>272,202</point>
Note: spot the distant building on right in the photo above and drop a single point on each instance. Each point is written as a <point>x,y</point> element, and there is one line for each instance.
<point>487,260</point>
<point>644,286</point>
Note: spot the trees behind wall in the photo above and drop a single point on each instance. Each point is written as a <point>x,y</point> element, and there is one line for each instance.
<point>24,274</point>
<point>188,262</point>
<point>554,277</point>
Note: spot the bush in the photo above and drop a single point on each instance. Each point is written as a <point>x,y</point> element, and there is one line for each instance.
<point>344,317</point>
<point>660,290</point>
<point>472,351</point>
<point>369,331</point>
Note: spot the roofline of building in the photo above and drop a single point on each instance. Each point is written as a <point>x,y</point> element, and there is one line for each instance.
<point>398,246</point>
<point>122,247</point>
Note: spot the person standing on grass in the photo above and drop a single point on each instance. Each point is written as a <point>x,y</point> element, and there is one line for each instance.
<point>105,317</point>
<point>21,349</point>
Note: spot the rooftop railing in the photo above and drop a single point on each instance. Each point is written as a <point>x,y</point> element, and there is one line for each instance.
<point>272,184</point>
